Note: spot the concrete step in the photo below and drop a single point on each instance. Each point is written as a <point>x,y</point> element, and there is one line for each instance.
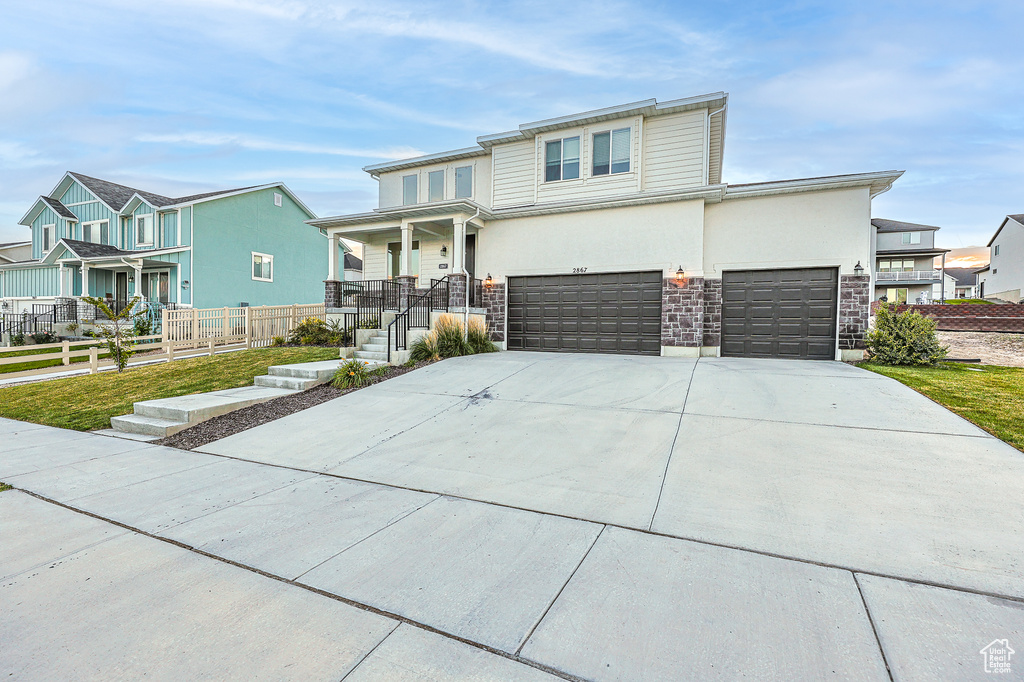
<point>290,383</point>
<point>375,347</point>
<point>319,371</point>
<point>368,355</point>
<point>202,406</point>
<point>378,341</point>
<point>147,426</point>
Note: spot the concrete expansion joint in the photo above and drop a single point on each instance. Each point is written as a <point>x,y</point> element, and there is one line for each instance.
<point>309,588</point>
<point>874,629</point>
<point>655,533</point>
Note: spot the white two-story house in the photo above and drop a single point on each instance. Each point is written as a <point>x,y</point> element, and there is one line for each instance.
<point>613,231</point>
<point>1004,277</point>
<point>905,269</point>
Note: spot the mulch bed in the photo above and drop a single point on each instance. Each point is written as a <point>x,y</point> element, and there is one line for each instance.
<point>255,415</point>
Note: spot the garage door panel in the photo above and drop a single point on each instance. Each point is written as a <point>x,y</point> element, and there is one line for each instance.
<point>605,312</point>
<point>780,313</point>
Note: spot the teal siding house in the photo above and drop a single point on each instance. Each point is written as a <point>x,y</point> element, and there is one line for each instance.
<point>91,237</point>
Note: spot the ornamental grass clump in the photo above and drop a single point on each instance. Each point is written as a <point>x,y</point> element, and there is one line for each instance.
<point>479,338</point>
<point>450,338</point>
<point>904,338</point>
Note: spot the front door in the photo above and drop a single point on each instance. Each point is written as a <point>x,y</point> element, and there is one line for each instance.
<point>121,287</point>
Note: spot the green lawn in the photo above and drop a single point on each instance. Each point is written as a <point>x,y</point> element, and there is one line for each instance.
<point>961,301</point>
<point>992,398</point>
<point>88,402</point>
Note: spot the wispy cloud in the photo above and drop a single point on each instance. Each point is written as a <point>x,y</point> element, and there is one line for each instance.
<point>211,139</point>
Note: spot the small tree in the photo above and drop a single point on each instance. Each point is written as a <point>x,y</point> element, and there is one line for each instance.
<point>904,338</point>
<point>120,338</point>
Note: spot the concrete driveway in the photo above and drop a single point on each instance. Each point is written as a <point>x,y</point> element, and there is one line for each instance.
<point>603,517</point>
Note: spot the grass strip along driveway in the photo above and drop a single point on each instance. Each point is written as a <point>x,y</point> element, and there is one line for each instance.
<point>88,402</point>
<point>991,397</point>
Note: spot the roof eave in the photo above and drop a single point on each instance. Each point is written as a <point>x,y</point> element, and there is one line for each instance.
<point>465,153</point>
<point>878,182</point>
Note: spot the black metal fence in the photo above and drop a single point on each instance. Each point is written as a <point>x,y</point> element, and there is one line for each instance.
<point>26,323</point>
<point>417,315</point>
<point>475,293</point>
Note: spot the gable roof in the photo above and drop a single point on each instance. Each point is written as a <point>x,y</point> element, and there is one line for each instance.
<point>353,263</point>
<point>884,225</point>
<point>91,250</point>
<point>59,208</point>
<point>1016,217</point>
<point>115,195</point>
<point>965,277</point>
<point>9,245</point>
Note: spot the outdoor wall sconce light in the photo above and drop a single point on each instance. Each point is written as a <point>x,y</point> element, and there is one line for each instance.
<point>184,284</point>
<point>858,269</point>
<point>489,282</point>
<point>681,275</point>
<point>444,251</point>
<point>131,278</point>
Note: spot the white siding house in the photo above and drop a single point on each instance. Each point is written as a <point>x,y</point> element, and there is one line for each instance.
<point>612,231</point>
<point>1005,276</point>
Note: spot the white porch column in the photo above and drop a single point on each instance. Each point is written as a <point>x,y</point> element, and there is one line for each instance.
<point>85,279</point>
<point>333,247</point>
<point>60,273</point>
<point>459,246</point>
<point>138,282</point>
<point>405,266</point>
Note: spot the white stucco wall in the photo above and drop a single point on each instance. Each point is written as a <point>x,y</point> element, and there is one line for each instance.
<point>653,237</point>
<point>808,229</point>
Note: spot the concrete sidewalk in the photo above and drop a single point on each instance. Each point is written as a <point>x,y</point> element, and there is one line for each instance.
<point>517,544</point>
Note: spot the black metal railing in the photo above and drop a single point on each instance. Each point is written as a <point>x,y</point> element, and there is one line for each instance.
<point>26,323</point>
<point>370,298</point>
<point>416,315</point>
<point>475,293</point>
<point>439,294</point>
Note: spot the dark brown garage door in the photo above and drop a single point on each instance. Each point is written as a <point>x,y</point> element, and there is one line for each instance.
<point>780,313</point>
<point>601,313</point>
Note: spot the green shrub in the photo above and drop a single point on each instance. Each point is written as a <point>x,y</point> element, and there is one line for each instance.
<point>72,328</point>
<point>43,337</point>
<point>277,341</point>
<point>352,374</point>
<point>17,339</point>
<point>143,326</point>
<point>904,338</point>
<point>479,338</point>
<point>313,331</point>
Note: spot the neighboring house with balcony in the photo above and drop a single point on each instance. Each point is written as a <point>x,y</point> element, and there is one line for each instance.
<point>613,231</point>
<point>1004,276</point>
<point>12,252</point>
<point>905,262</point>
<point>92,237</point>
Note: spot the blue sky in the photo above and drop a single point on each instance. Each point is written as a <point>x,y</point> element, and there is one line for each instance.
<point>189,95</point>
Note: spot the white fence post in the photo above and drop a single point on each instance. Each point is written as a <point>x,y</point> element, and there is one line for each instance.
<point>94,360</point>
<point>248,328</point>
<point>66,350</point>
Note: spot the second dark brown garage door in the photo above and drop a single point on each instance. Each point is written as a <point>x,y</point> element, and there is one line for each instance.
<point>780,313</point>
<point>600,313</point>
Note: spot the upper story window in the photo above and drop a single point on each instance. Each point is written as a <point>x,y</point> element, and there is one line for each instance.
<point>47,237</point>
<point>562,159</point>
<point>895,266</point>
<point>278,199</point>
<point>435,185</point>
<point>612,152</point>
<point>144,230</point>
<point>409,190</point>
<point>96,232</point>
<point>996,252</point>
<point>262,267</point>
<point>910,238</point>
<point>463,182</point>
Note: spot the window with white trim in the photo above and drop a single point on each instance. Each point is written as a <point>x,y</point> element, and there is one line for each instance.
<point>262,267</point>
<point>996,253</point>
<point>611,152</point>
<point>435,185</point>
<point>96,232</point>
<point>910,238</point>
<point>47,237</point>
<point>409,190</point>
<point>463,182</point>
<point>562,159</point>
<point>144,230</point>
